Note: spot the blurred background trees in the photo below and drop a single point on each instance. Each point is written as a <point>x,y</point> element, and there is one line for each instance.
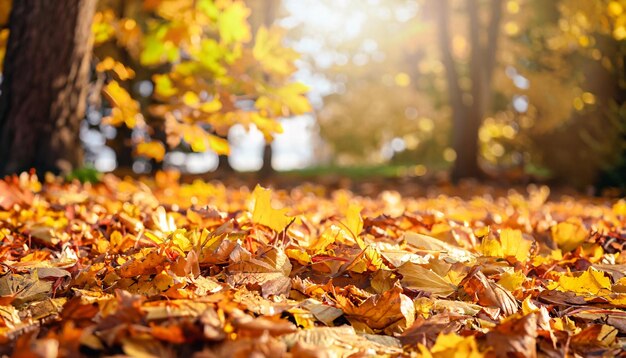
<point>516,89</point>
<point>537,85</point>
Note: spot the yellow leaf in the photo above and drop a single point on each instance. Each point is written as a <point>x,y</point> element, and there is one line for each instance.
<point>200,140</point>
<point>125,109</point>
<point>218,145</point>
<point>491,247</point>
<point>162,281</point>
<point>293,97</point>
<point>330,235</point>
<point>181,241</point>
<point>102,27</point>
<point>195,137</point>
<point>154,150</point>
<point>569,234</point>
<point>191,99</point>
<point>106,64</point>
<point>268,126</point>
<point>512,281</point>
<point>619,208</point>
<point>591,281</point>
<point>212,106</point>
<point>271,54</point>
<point>289,99</point>
<point>163,86</point>
<point>513,244</point>
<point>299,255</point>
<point>529,307</point>
<point>482,231</point>
<point>264,214</point>
<point>232,23</point>
<point>354,223</point>
<point>451,345</point>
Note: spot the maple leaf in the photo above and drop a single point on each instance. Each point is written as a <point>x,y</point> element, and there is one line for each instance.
<point>591,281</point>
<point>232,23</point>
<point>270,272</point>
<point>510,244</point>
<point>264,214</point>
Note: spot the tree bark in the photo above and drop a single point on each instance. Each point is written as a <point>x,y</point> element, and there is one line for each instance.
<point>44,89</point>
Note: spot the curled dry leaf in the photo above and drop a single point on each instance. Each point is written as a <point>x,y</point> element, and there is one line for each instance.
<point>390,311</point>
<point>478,288</point>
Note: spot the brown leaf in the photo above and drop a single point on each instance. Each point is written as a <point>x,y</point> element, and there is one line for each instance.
<point>269,272</point>
<point>515,338</point>
<point>390,311</point>
<point>248,326</point>
<point>478,288</point>
<point>425,331</point>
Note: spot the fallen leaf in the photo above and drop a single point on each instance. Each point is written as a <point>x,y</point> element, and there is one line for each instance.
<point>264,214</point>
<point>591,281</point>
<point>417,277</point>
<point>569,234</point>
<point>390,311</point>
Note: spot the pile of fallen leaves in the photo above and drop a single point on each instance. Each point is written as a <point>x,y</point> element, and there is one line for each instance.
<point>159,268</point>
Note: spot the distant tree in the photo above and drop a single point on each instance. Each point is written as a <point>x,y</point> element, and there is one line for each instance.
<point>517,88</point>
<point>576,121</point>
<point>44,86</point>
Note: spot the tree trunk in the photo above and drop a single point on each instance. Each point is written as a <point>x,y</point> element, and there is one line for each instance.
<point>267,169</point>
<point>223,165</point>
<point>44,89</point>
<point>467,118</point>
<point>466,143</point>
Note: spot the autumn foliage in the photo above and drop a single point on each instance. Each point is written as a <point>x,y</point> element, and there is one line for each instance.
<point>157,267</point>
<point>207,68</point>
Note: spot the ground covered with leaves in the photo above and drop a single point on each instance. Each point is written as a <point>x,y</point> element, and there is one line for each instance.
<point>160,268</point>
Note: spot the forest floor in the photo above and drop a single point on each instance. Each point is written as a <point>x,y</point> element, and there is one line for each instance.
<point>162,267</point>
